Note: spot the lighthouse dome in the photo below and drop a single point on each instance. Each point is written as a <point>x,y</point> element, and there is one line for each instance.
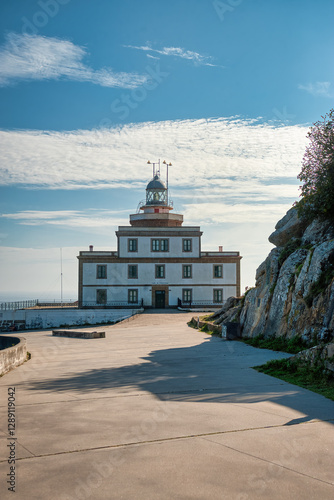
<point>156,183</point>
<point>156,192</point>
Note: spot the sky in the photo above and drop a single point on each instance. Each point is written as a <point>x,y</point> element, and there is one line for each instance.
<point>90,91</point>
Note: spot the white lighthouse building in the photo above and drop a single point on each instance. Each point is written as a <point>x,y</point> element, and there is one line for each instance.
<point>158,262</point>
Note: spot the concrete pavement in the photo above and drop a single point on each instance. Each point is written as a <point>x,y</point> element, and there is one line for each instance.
<point>158,410</point>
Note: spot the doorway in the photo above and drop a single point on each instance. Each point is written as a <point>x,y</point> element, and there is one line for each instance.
<point>160,297</point>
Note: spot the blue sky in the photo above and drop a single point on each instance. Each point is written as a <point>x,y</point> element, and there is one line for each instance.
<point>89,91</point>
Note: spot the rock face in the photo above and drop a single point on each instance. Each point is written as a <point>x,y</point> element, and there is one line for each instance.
<point>288,227</point>
<point>322,355</point>
<point>294,291</point>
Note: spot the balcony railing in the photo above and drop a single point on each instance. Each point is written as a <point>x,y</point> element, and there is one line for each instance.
<point>14,306</point>
<point>113,305</point>
<point>29,304</point>
<point>196,304</point>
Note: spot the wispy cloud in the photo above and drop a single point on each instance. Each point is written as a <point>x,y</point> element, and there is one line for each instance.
<point>322,89</point>
<point>77,219</point>
<point>196,57</point>
<point>213,153</point>
<point>34,57</point>
<point>221,162</point>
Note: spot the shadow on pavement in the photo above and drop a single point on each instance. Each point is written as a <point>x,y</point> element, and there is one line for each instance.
<point>213,371</point>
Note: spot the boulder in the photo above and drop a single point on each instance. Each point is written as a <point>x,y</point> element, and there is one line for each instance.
<point>289,298</point>
<point>291,226</point>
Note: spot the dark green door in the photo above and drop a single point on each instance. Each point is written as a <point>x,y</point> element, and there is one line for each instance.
<point>160,299</point>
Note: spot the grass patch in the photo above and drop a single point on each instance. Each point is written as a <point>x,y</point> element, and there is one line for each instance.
<point>205,329</point>
<point>283,344</point>
<point>301,374</point>
<point>207,317</point>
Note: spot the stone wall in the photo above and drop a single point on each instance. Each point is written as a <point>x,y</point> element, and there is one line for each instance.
<point>54,318</point>
<point>14,355</point>
<point>318,356</point>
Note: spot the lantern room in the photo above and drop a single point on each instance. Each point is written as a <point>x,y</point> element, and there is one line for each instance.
<point>156,192</point>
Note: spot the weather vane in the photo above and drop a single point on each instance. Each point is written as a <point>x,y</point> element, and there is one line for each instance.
<point>156,170</point>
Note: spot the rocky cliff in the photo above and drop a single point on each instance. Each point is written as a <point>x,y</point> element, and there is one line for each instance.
<point>294,291</point>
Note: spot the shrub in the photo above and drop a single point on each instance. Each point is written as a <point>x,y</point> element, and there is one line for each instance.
<point>283,344</point>
<point>317,172</point>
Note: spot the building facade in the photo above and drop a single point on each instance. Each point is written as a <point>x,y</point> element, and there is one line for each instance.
<point>158,263</point>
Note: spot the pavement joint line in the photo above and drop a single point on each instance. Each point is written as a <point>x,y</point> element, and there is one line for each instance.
<point>269,461</point>
<point>33,454</point>
<point>162,440</point>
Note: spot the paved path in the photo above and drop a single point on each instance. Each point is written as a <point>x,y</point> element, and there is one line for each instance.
<point>160,411</point>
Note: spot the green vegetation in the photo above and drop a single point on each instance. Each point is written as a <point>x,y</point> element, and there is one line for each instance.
<point>283,344</point>
<point>205,329</point>
<point>317,174</point>
<point>207,317</point>
<point>243,297</point>
<point>299,268</point>
<point>315,379</point>
<point>291,246</point>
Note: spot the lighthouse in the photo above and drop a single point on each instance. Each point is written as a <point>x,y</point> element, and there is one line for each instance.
<point>159,262</point>
<point>157,210</point>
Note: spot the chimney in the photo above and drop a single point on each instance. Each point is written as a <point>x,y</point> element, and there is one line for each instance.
<point>91,248</point>
<point>220,248</point>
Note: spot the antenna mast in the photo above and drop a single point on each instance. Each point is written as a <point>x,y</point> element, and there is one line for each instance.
<point>156,170</point>
<point>167,165</point>
<point>61,277</point>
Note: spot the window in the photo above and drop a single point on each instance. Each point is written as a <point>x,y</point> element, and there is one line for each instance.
<point>155,245</point>
<point>101,297</point>
<point>218,271</point>
<point>133,271</point>
<point>186,271</point>
<point>218,295</point>
<point>159,271</point>
<point>187,295</point>
<point>186,245</point>
<point>101,272</point>
<point>133,296</point>
<point>159,246</point>
<point>164,245</point>
<point>133,245</point>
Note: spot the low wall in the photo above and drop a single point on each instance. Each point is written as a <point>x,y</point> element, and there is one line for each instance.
<point>210,326</point>
<point>14,355</point>
<point>318,356</point>
<point>228,331</point>
<point>55,318</point>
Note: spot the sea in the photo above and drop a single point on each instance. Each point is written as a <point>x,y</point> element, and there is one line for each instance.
<point>42,297</point>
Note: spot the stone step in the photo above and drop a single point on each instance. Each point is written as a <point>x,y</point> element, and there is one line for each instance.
<point>79,335</point>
